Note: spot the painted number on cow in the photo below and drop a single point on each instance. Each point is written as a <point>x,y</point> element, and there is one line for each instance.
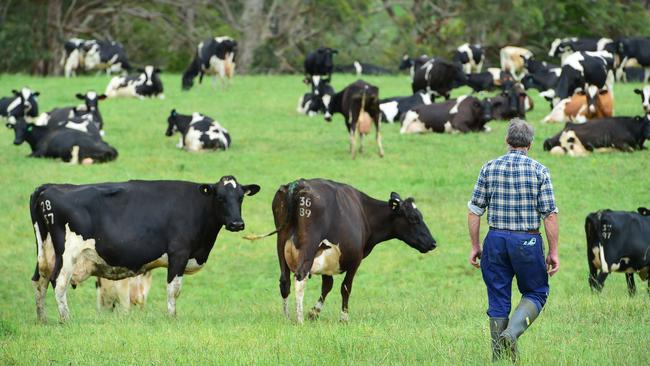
<point>305,203</point>
<point>46,207</point>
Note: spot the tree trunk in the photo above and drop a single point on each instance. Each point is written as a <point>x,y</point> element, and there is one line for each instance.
<point>253,23</point>
<point>52,65</point>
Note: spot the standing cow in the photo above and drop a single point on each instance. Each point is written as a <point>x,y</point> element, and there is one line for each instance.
<point>214,56</point>
<point>413,64</point>
<point>438,77</point>
<point>105,55</point>
<point>73,56</point>
<point>512,60</point>
<point>471,57</point>
<point>319,65</point>
<point>635,49</point>
<point>566,46</point>
<point>120,230</point>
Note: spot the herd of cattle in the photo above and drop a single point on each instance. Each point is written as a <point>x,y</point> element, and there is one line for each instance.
<point>322,227</point>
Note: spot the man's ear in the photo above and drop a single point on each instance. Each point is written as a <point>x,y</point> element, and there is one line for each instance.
<point>80,96</point>
<point>206,189</point>
<point>395,201</point>
<point>251,189</point>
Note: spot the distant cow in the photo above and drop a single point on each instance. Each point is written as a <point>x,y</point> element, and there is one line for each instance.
<point>213,56</point>
<point>73,56</point>
<point>121,294</point>
<point>465,114</point>
<point>359,105</point>
<point>511,102</point>
<point>470,56</point>
<point>533,66</point>
<point>145,84</point>
<point>198,132</point>
<point>645,98</point>
<point>393,109</point>
<point>360,68</point>
<point>635,48</point>
<point>583,106</point>
<point>312,103</point>
<point>68,144</point>
<point>120,230</point>
<point>566,46</point>
<point>87,111</point>
<point>542,80</point>
<point>620,133</point>
<point>327,228</point>
<point>438,77</point>
<point>512,60</point>
<point>488,80</point>
<point>319,65</point>
<point>105,55</point>
<point>413,64</point>
<point>617,241</point>
<point>23,103</point>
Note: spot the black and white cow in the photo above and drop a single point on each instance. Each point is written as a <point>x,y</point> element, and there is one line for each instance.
<point>89,111</point>
<point>533,66</point>
<point>511,102</point>
<point>120,230</point>
<point>542,80</point>
<point>393,109</point>
<point>145,84</point>
<point>470,56</point>
<point>645,98</point>
<point>464,114</point>
<point>73,56</point>
<point>617,241</point>
<point>105,55</point>
<point>69,144</point>
<point>198,132</point>
<point>413,64</point>
<point>319,65</point>
<point>438,77</point>
<point>487,80</point>
<point>361,68</point>
<point>635,48</point>
<point>23,103</point>
<point>314,102</point>
<point>564,47</point>
<point>580,68</point>
<point>214,56</point>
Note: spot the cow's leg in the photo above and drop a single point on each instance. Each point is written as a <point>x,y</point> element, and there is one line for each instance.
<point>328,281</point>
<point>346,289</point>
<point>61,288</point>
<point>175,271</point>
<point>300,294</point>
<point>646,74</point>
<point>631,287</point>
<point>360,143</point>
<point>600,280</point>
<point>353,143</point>
<point>40,289</point>
<point>285,274</point>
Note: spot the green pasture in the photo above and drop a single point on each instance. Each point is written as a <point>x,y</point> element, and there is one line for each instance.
<point>406,308</point>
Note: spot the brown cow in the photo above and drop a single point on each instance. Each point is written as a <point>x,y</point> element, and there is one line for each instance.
<point>583,106</point>
<point>327,228</point>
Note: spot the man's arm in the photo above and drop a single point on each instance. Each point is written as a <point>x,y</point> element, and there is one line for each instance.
<point>551,226</point>
<point>474,225</point>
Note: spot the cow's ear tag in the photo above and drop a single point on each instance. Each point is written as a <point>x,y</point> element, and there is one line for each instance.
<point>394,201</point>
<point>205,189</point>
<point>643,211</point>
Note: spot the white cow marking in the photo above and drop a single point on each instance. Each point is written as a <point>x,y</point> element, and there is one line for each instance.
<point>83,127</point>
<point>358,68</point>
<point>454,109</point>
<point>412,123</point>
<point>173,290</point>
<point>300,294</point>
<point>646,99</point>
<point>390,110</point>
<point>326,261</point>
<point>603,262</point>
<point>231,182</point>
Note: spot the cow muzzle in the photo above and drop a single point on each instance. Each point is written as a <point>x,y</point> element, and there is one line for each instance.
<point>235,226</point>
<point>328,117</point>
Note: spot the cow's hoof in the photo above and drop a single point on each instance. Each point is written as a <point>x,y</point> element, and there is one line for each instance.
<point>313,314</point>
<point>345,317</point>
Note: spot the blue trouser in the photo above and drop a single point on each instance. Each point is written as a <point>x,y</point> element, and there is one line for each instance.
<point>507,254</point>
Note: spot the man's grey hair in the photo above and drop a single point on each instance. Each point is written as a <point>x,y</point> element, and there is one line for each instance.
<point>520,133</point>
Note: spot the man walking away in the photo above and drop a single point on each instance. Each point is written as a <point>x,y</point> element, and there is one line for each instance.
<point>517,193</point>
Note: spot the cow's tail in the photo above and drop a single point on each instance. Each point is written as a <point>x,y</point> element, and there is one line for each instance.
<point>39,225</point>
<point>284,207</point>
<point>592,229</point>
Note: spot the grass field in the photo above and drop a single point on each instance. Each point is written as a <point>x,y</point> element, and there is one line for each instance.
<point>406,308</point>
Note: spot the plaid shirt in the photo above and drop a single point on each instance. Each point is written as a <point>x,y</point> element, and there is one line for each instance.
<point>518,191</point>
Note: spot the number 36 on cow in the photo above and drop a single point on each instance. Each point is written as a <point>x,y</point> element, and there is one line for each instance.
<point>305,202</point>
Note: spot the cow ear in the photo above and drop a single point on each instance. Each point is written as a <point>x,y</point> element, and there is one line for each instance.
<point>638,91</point>
<point>643,211</point>
<point>157,69</point>
<point>36,94</point>
<point>101,97</point>
<point>603,91</point>
<point>16,92</point>
<point>206,189</point>
<point>251,189</point>
<point>395,201</point>
<point>173,113</point>
<point>80,96</point>
<point>581,92</point>
<point>9,125</point>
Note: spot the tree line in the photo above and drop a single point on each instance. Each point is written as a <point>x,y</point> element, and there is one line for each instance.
<point>274,35</point>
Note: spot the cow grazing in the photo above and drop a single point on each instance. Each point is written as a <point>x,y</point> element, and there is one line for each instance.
<point>89,111</point>
<point>145,84</point>
<point>199,132</point>
<point>604,134</point>
<point>359,105</point>
<point>214,56</point>
<point>413,64</point>
<point>583,106</point>
<point>319,65</point>
<point>73,56</point>
<point>327,228</point>
<point>465,114</point>
<point>645,98</point>
<point>617,241</point>
<point>360,68</point>
<point>108,230</point>
<point>105,55</point>
<point>121,294</point>
<point>311,103</point>
<point>68,144</point>
<point>438,77</point>
<point>471,57</point>
<point>393,109</point>
<point>23,103</point>
<point>563,48</point>
<point>635,48</point>
<point>512,60</point>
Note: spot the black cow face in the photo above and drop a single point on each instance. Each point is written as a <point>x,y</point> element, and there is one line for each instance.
<point>645,98</point>
<point>511,95</point>
<point>21,129</point>
<point>229,195</point>
<point>91,99</point>
<point>406,62</point>
<point>528,82</point>
<point>150,75</point>
<point>27,105</point>
<point>409,225</point>
<point>486,110</point>
<point>171,123</point>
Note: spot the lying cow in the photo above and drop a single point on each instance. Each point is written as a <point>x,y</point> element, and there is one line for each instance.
<point>542,80</point>
<point>23,103</point>
<point>617,241</point>
<point>620,133</point>
<point>464,114</point>
<point>121,294</point>
<point>327,228</point>
<point>533,66</point>
<point>488,80</point>
<point>69,144</point>
<point>583,106</point>
<point>471,57</point>
<point>214,56</point>
<point>87,111</point>
<point>359,105</point>
<point>511,102</point>
<point>438,77</point>
<point>106,230</point>
<point>645,98</point>
<point>512,60</point>
<point>311,103</point>
<point>145,84</point>
<point>393,109</point>
<point>198,132</point>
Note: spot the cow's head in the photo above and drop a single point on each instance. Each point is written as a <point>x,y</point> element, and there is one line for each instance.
<point>25,103</point>
<point>409,225</point>
<point>406,62</point>
<point>91,99</point>
<point>592,94</point>
<point>228,195</point>
<point>528,82</point>
<point>485,107</point>
<point>328,55</point>
<point>645,98</point>
<point>150,75</point>
<point>21,130</point>
<point>171,123</point>
<point>510,93</point>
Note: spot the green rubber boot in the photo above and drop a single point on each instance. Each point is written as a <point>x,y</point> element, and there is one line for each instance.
<point>497,326</point>
<point>523,316</point>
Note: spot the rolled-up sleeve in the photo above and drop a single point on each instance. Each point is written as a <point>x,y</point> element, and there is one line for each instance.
<point>546,198</point>
<point>479,200</point>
